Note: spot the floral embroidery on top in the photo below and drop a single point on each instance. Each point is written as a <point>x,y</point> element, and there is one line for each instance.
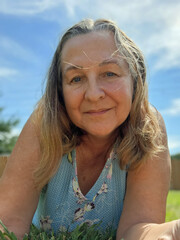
<point>103,189</point>
<point>77,192</point>
<point>45,223</point>
<point>79,213</point>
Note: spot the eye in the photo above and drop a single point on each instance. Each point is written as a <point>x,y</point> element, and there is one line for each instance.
<point>76,79</point>
<point>110,74</point>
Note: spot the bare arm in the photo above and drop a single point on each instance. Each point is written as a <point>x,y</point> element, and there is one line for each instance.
<point>19,197</point>
<point>145,202</point>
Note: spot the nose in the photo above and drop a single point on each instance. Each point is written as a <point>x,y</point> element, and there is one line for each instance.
<point>94,91</point>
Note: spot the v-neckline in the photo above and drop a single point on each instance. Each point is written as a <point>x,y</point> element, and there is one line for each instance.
<point>104,175</point>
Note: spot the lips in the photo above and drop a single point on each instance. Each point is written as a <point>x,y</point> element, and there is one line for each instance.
<point>98,111</point>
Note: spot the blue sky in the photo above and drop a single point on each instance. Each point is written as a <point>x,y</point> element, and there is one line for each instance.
<point>31,29</point>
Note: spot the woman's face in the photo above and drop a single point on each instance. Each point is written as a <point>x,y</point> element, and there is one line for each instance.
<point>97,84</point>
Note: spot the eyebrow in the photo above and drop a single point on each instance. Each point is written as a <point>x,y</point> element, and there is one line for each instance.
<point>105,62</point>
<point>72,67</point>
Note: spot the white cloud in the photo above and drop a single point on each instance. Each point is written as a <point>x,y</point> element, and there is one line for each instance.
<point>153,24</point>
<point>7,72</point>
<point>174,109</point>
<point>165,42</point>
<point>174,144</point>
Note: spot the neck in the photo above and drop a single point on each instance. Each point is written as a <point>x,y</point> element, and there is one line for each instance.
<point>95,147</point>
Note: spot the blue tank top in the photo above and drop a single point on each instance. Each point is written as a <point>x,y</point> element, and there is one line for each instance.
<point>62,206</point>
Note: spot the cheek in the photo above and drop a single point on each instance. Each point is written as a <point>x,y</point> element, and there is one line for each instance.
<point>72,99</point>
<point>123,88</point>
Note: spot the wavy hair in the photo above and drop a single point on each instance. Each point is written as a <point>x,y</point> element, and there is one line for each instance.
<point>139,135</point>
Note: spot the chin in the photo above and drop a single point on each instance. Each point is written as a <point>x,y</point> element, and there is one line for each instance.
<point>101,134</point>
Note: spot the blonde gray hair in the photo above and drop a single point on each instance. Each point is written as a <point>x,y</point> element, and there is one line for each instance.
<point>139,135</point>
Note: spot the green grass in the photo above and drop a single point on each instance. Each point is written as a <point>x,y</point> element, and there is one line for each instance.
<point>84,232</point>
<point>173,206</point>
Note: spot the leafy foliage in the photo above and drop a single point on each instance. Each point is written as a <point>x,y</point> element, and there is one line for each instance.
<point>7,141</point>
<point>176,156</point>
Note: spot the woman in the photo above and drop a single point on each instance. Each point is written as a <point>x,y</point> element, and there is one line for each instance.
<point>94,149</point>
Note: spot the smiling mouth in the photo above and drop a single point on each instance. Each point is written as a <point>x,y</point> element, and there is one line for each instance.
<point>98,112</point>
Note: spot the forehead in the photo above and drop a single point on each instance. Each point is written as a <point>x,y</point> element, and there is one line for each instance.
<point>90,48</point>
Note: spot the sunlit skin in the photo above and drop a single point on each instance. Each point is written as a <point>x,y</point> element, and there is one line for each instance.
<point>97,84</point>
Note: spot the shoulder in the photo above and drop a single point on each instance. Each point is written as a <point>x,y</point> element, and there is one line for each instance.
<point>24,158</point>
<point>18,180</point>
<point>147,187</point>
